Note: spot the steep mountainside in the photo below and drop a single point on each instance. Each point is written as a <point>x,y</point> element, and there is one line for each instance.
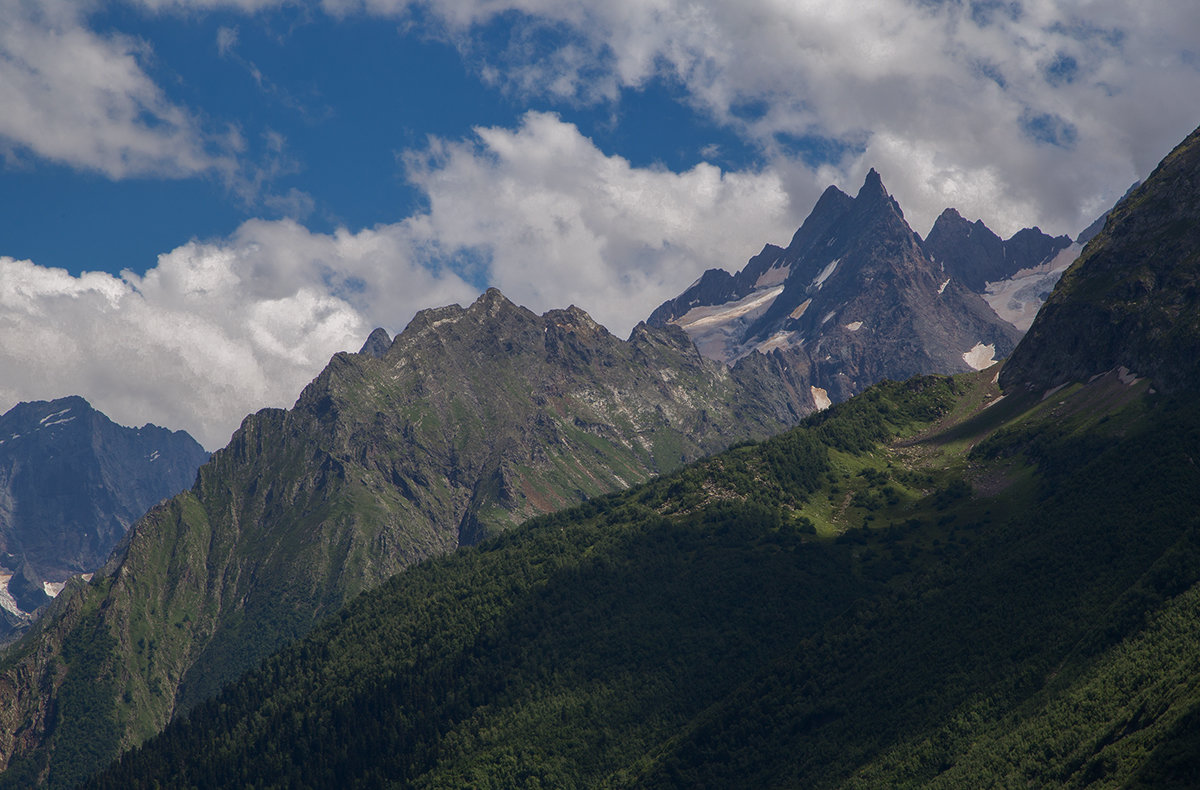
<point>71,483</point>
<point>934,584</point>
<point>852,300</point>
<point>470,421</point>
<point>1133,297</point>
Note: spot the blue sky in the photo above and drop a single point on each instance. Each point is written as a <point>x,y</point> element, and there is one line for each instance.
<point>202,200</point>
<point>325,108</point>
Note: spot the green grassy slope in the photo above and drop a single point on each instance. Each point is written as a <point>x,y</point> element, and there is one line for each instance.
<point>918,587</point>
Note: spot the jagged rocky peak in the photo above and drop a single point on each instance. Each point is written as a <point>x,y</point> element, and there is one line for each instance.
<point>1132,299</point>
<point>852,299</point>
<point>378,342</point>
<point>493,303</point>
<point>971,253</point>
<point>574,319</point>
<point>872,189</point>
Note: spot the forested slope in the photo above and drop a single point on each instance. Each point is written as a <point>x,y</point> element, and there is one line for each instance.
<point>992,559</point>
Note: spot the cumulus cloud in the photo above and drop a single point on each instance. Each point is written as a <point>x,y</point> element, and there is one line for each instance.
<point>215,330</point>
<point>1014,112</point>
<point>560,222</point>
<point>73,96</point>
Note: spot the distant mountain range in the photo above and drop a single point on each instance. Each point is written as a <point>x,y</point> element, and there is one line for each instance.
<point>857,296</point>
<point>71,483</point>
<point>987,580</point>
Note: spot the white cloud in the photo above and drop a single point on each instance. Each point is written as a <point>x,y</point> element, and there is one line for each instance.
<point>73,96</point>
<point>215,330</point>
<point>1018,113</point>
<point>563,223</point>
<point>957,103</point>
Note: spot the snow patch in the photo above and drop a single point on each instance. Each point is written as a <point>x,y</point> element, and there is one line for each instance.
<point>799,311</point>
<point>699,318</point>
<point>854,326</point>
<point>1050,392</point>
<point>781,339</point>
<point>1018,299</point>
<point>828,315</point>
<point>716,329</point>
<point>7,602</point>
<point>820,398</point>
<point>153,456</point>
<point>56,422</point>
<point>773,276</point>
<point>1127,377</point>
<point>942,287</point>
<point>53,588</point>
<point>820,279</point>
<point>52,416</point>
<point>980,356</point>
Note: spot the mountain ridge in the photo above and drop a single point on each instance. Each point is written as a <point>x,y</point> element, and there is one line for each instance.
<point>856,257</point>
<point>471,421</point>
<point>852,300</point>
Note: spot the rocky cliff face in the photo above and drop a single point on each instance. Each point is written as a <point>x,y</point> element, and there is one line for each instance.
<point>852,300</point>
<point>468,422</point>
<point>1133,298</point>
<point>972,253</point>
<point>71,484</point>
<point>1014,276</point>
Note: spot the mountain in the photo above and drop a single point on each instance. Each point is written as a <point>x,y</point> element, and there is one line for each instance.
<point>938,583</point>
<point>1014,276</point>
<point>1131,298</point>
<point>863,602</point>
<point>970,252</point>
<point>852,300</point>
<point>469,422</point>
<point>1090,232</point>
<point>71,483</point>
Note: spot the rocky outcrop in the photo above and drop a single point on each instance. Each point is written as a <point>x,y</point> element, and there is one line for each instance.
<point>377,344</point>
